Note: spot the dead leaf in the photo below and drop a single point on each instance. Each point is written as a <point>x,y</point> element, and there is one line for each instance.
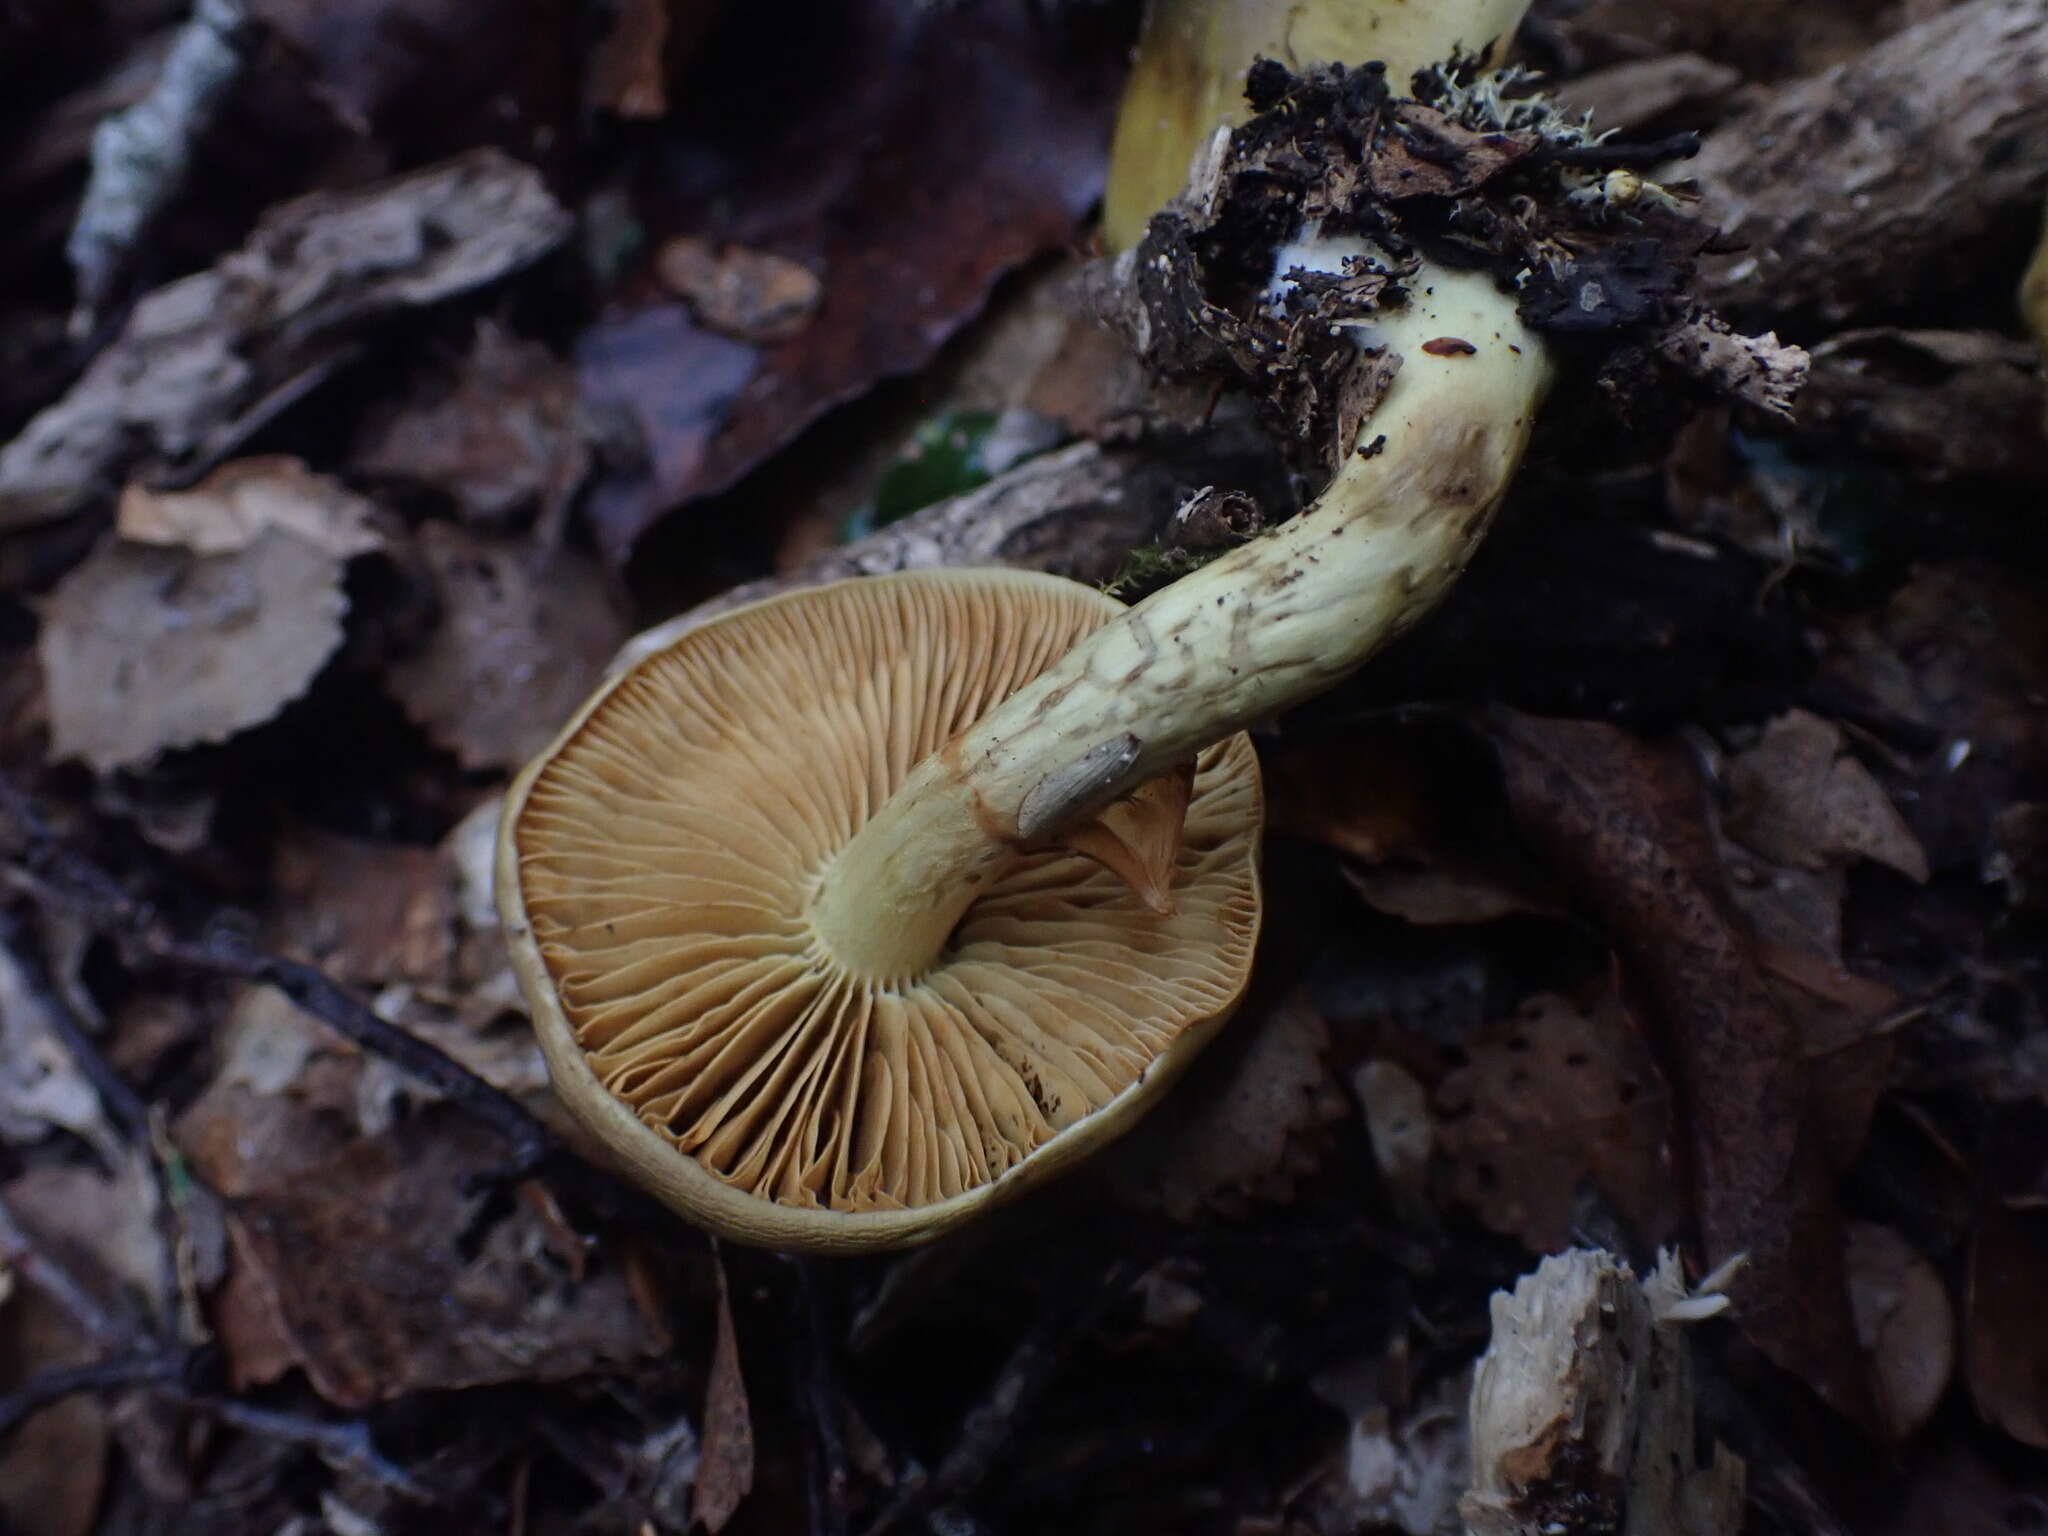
<point>860,185</point>
<point>1406,802</point>
<point>146,649</point>
<point>725,1466</point>
<point>1801,798</point>
<point>629,68</point>
<point>1400,1471</point>
<point>504,437</point>
<point>1954,665</point>
<point>1251,1118</point>
<point>1549,1098</point>
<point>103,1231</point>
<point>753,296</point>
<point>2006,1327</point>
<point>1904,1322</point>
<point>53,1467</point>
<point>372,1264</point>
<point>1399,1122</point>
<point>41,1086</point>
<point>423,77</point>
<point>366,913</point>
<point>201,359</point>
<point>524,636</point>
<point>1626,822</point>
<point>235,505</point>
<point>1961,406</point>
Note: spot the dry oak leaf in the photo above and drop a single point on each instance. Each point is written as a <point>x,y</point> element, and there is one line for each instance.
<point>504,436</point>
<point>524,636</point>
<point>377,1268</point>
<point>1251,1118</point>
<point>2007,1327</point>
<point>232,507</point>
<point>1800,798</point>
<point>1551,1097</point>
<point>725,1466</point>
<point>747,295</point>
<point>1905,1323</point>
<point>145,649</point>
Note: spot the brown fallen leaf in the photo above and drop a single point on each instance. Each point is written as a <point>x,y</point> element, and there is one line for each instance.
<point>1625,821</point>
<point>1551,1097</point>
<point>1800,798</point>
<point>1953,665</point>
<point>1942,406</point>
<point>1252,1118</point>
<point>748,295</point>
<point>859,184</point>
<point>421,78</point>
<point>375,1268</point>
<point>1905,1323</point>
<point>525,633</point>
<point>2006,1327</point>
<point>202,360</point>
<point>1408,803</point>
<point>366,913</point>
<point>145,649</point>
<point>41,1086</point>
<point>104,1232</point>
<point>236,504</point>
<point>725,1467</point>
<point>53,1468</point>
<point>503,438</point>
<point>629,67</point>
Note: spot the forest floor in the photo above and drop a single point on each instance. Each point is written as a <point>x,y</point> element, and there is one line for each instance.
<point>1692,859</point>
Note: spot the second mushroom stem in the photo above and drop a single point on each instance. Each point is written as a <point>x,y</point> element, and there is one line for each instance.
<point>1265,627</point>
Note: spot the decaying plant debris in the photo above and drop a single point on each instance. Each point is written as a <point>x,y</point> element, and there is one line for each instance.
<point>1678,886</point>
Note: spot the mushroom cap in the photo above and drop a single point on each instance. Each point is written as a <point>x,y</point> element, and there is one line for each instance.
<point>654,869</point>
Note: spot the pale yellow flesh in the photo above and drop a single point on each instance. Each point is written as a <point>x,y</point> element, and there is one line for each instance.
<point>1189,74</point>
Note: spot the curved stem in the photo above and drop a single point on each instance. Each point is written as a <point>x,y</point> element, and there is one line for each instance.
<point>1265,627</point>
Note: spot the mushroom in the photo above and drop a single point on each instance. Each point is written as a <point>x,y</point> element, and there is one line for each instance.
<point>828,1086</point>
<point>938,937</point>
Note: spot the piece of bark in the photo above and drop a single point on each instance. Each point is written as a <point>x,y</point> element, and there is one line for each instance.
<point>1076,512</point>
<point>1644,93</point>
<point>1857,189</point>
<point>1582,1409</point>
<point>1938,405</point>
<point>203,357</point>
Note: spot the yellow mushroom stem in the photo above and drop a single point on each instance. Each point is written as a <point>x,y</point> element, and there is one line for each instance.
<point>1277,620</point>
<point>1267,626</point>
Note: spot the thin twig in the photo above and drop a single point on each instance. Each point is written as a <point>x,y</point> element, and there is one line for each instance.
<point>93,1317</point>
<point>40,1391</point>
<point>222,951</point>
<point>825,1449</point>
<point>344,1446</point>
<point>122,1103</point>
<point>60,873</point>
<point>992,1424</point>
